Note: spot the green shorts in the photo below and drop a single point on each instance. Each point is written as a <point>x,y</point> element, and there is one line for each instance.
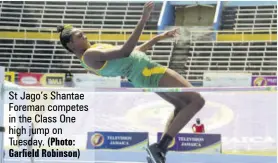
<point>146,73</point>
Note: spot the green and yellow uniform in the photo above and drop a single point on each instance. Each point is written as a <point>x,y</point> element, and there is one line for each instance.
<point>138,68</point>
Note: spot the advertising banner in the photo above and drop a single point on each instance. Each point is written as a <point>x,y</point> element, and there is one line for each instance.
<point>185,142</point>
<point>29,79</point>
<point>10,76</point>
<point>94,81</point>
<point>264,81</point>
<point>117,140</point>
<point>226,79</point>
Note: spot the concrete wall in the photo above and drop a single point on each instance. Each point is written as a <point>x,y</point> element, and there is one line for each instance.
<point>192,2</point>
<point>195,16</point>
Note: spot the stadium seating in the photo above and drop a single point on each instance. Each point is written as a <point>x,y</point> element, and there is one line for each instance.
<point>83,14</point>
<point>49,56</point>
<point>243,54</point>
<point>258,58</point>
<point>250,18</point>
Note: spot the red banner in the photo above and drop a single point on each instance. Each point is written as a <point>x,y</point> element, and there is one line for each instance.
<point>29,79</point>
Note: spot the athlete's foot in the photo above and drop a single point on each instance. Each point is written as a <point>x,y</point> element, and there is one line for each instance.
<point>156,154</point>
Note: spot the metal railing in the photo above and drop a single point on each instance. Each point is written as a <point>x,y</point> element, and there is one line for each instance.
<point>123,34</point>
<point>233,35</point>
<point>93,34</point>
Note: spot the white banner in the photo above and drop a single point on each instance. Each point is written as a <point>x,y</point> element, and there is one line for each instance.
<point>226,79</point>
<point>94,81</point>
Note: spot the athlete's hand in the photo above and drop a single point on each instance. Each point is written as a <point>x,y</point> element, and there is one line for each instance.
<point>170,34</point>
<point>148,8</point>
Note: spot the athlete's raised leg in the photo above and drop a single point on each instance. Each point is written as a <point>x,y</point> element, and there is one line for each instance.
<point>175,102</point>
<point>156,154</point>
<point>193,100</point>
<point>192,103</point>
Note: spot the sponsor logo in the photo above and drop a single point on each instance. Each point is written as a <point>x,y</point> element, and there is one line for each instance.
<point>10,76</point>
<point>97,140</point>
<point>260,81</point>
<point>29,80</point>
<point>52,80</point>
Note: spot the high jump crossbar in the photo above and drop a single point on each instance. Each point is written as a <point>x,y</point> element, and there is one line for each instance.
<point>191,89</point>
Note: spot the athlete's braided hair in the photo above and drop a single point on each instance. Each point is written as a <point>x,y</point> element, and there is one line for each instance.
<point>65,35</point>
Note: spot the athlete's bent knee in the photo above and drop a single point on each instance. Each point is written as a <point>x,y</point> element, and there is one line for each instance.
<point>201,101</point>
<point>198,99</point>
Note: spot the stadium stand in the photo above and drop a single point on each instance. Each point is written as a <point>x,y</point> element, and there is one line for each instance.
<point>258,58</point>
<point>247,42</point>
<point>86,14</point>
<point>249,18</point>
<point>24,51</point>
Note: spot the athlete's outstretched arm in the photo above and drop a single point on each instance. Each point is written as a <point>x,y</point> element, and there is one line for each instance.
<point>128,47</point>
<point>147,45</point>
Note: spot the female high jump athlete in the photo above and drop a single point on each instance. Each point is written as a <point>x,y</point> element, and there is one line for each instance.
<point>131,61</point>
